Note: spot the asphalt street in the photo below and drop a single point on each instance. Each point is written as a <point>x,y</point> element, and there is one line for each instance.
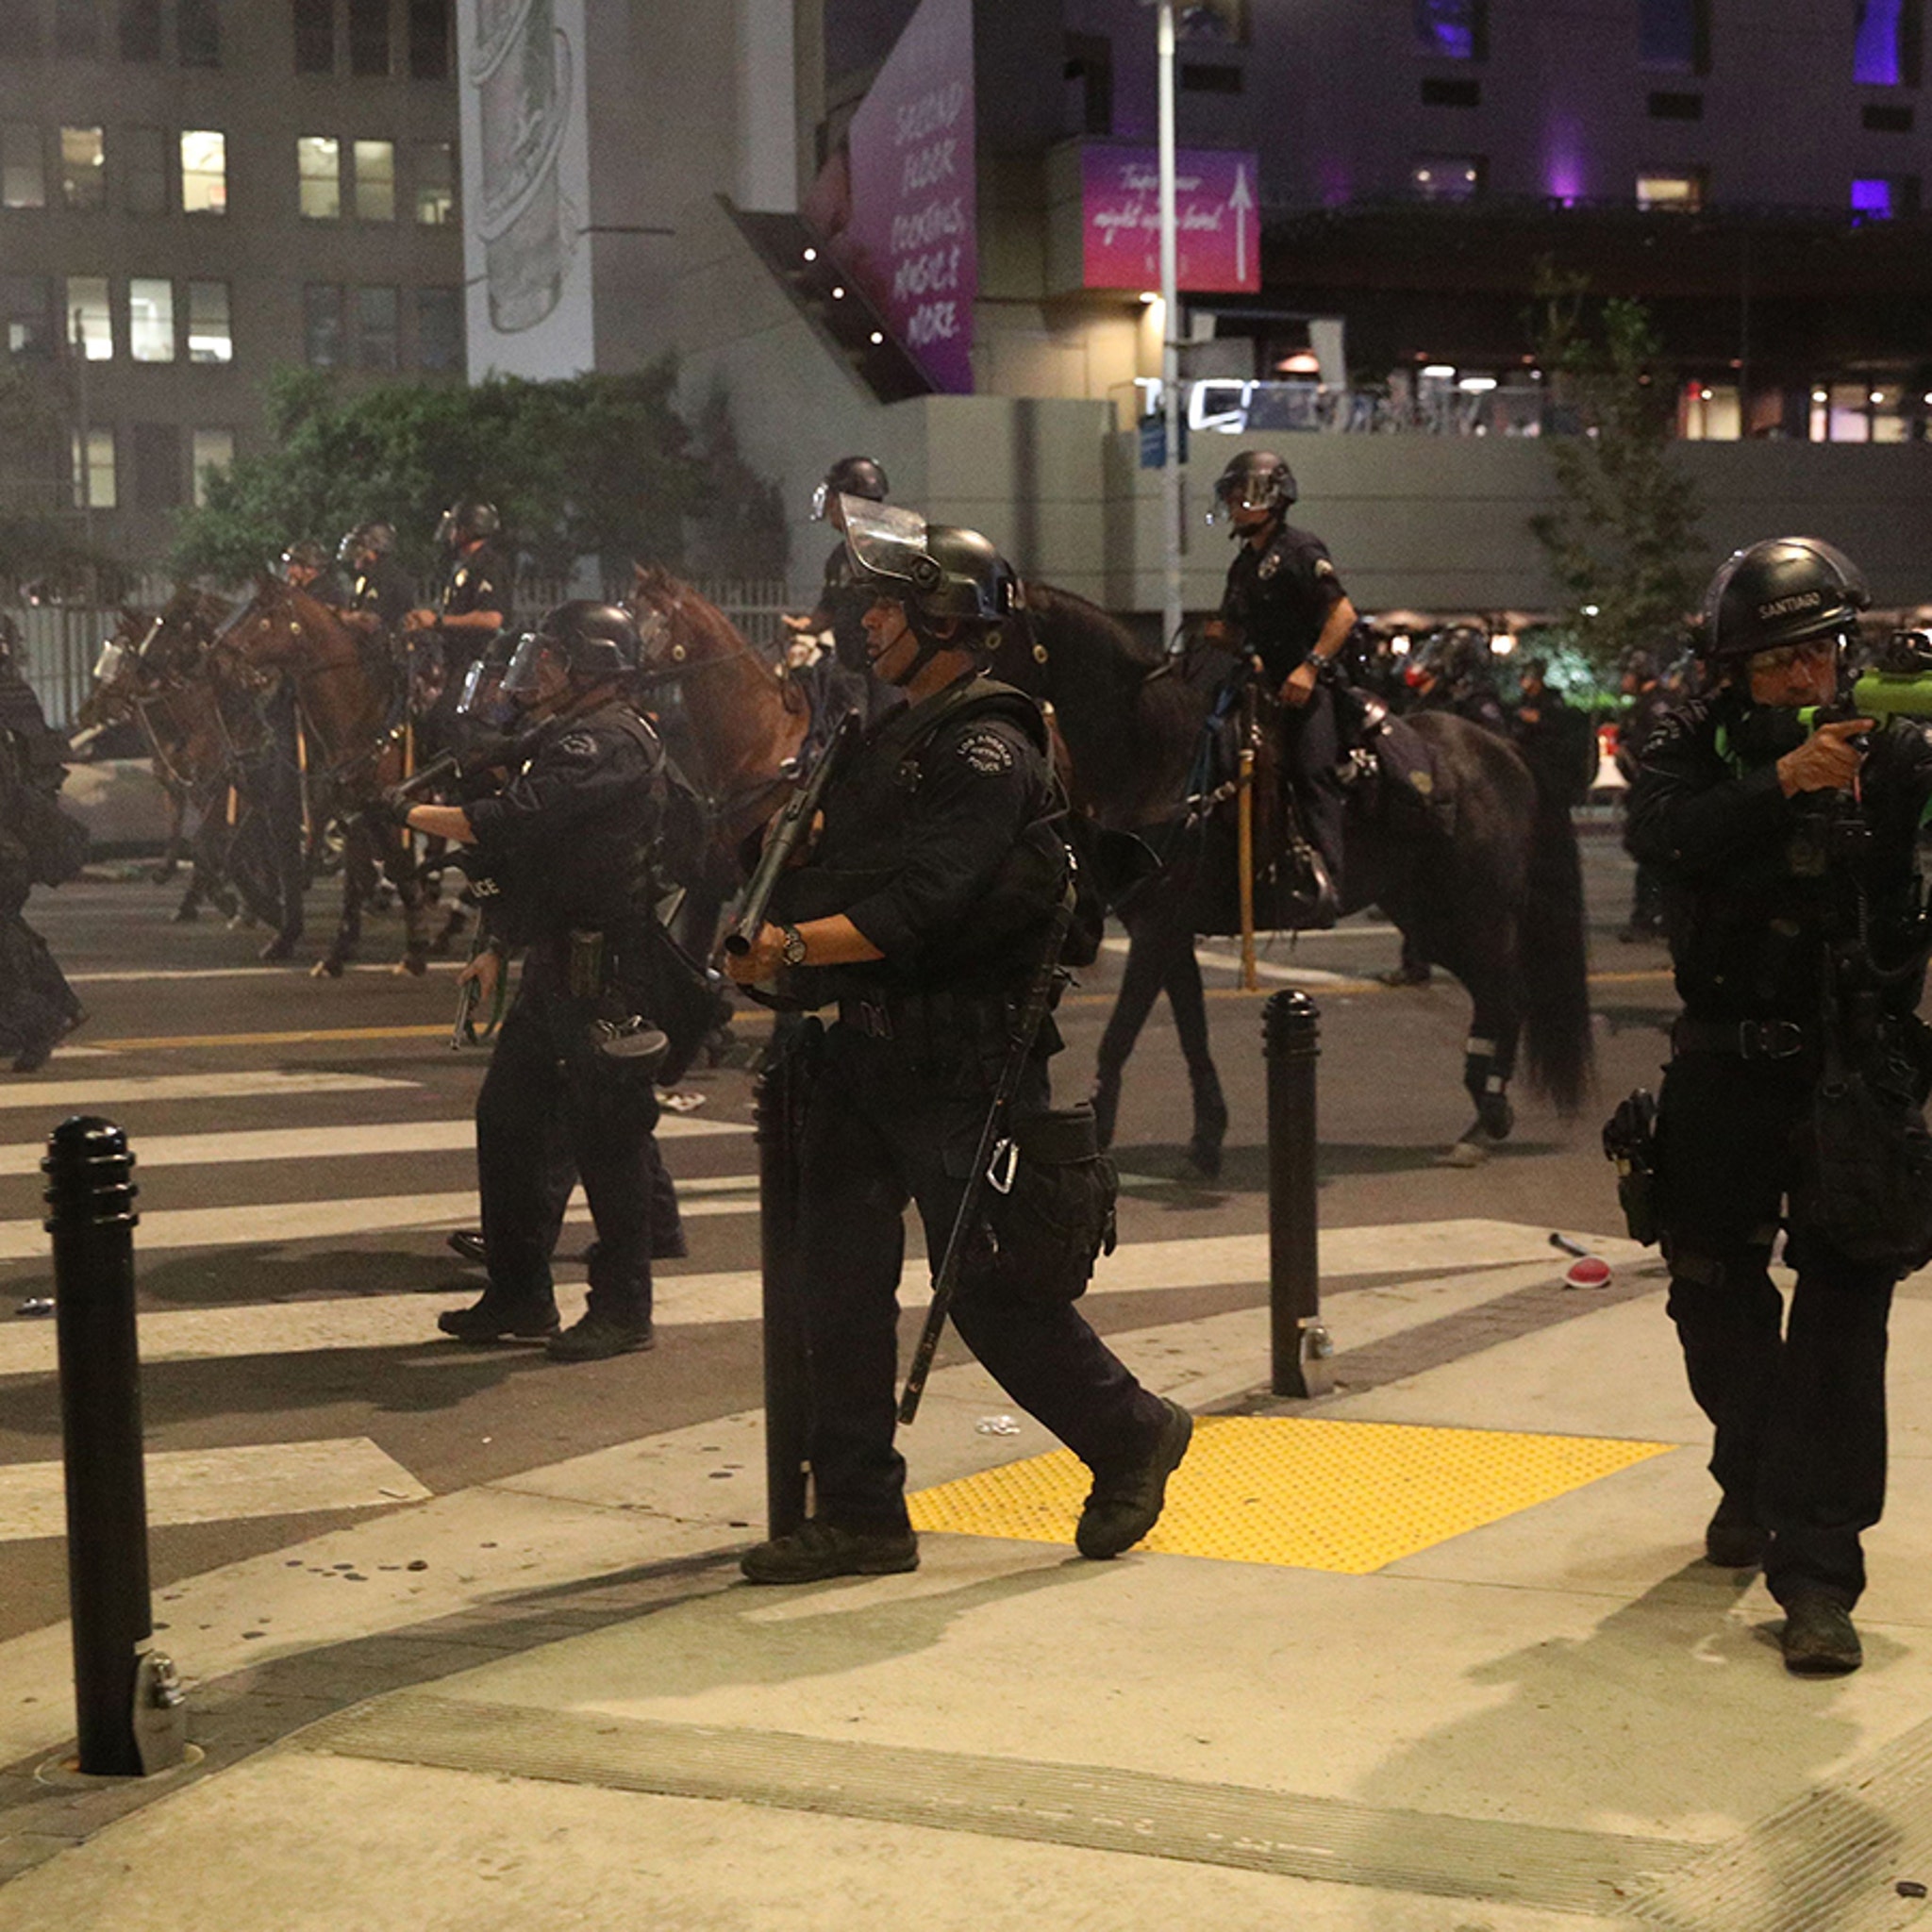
<point>303,1148</point>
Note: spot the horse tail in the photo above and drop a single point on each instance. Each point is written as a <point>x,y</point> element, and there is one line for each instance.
<point>1559,1047</point>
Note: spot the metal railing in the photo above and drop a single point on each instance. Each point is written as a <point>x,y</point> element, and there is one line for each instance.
<point>1233,406</point>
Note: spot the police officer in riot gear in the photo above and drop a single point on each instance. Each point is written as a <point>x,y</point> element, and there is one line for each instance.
<point>567,847</point>
<point>306,565</point>
<point>1649,701</point>
<point>376,582</point>
<point>1456,672</point>
<point>475,601</point>
<point>848,682</point>
<point>931,896</point>
<point>39,845</point>
<point>1785,849</point>
<point>1284,605</point>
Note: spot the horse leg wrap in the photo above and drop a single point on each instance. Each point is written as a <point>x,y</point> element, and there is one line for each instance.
<point>1486,1078</point>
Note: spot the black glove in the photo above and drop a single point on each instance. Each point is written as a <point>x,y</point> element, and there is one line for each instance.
<point>395,804</point>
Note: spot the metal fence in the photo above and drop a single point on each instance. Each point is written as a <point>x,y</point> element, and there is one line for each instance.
<point>62,641</point>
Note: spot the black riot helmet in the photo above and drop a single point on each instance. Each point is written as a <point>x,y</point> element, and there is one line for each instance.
<point>593,642</point>
<point>1255,479</point>
<point>1458,657</point>
<point>850,476</point>
<point>937,570</point>
<point>1639,667</point>
<point>306,555</point>
<point>1784,590</point>
<point>376,538</point>
<point>466,518</point>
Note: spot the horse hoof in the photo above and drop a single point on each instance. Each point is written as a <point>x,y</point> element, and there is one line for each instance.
<point>1201,1164</point>
<point>1463,1154</point>
<point>276,950</point>
<point>413,965</point>
<point>1496,1117</point>
<point>330,967</point>
<point>185,915</point>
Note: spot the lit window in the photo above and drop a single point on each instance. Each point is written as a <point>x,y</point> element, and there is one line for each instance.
<point>23,174</point>
<point>83,168</point>
<point>151,318</point>
<point>1446,177</point>
<point>212,454</point>
<point>204,172</point>
<point>322,325</point>
<point>436,183</point>
<point>93,470</point>
<point>315,36</point>
<point>1452,30</point>
<point>90,320</point>
<point>1679,193</point>
<point>369,36</point>
<point>439,328</point>
<point>144,170</point>
<point>318,172</point>
<point>1887,37</point>
<point>376,180</point>
<point>209,338</point>
<point>26,316</point>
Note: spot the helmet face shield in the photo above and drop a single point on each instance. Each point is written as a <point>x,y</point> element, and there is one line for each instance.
<point>484,699</point>
<point>887,545</point>
<point>112,662</point>
<point>521,678</point>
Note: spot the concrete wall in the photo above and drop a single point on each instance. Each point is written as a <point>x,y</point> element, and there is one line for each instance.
<point>1443,522</point>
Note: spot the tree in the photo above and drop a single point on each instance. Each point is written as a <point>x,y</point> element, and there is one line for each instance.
<point>1624,542</point>
<point>594,465</point>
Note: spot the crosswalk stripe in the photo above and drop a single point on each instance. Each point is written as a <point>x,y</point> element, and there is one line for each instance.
<point>146,976</point>
<point>1436,1249</point>
<point>127,1089</point>
<point>218,1485</point>
<point>249,1146</point>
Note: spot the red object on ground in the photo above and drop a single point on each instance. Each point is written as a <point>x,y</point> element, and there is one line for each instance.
<point>1592,1271</point>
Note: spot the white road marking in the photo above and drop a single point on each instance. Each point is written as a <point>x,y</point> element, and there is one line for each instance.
<point>217,1485</point>
<point>1439,1248</point>
<point>127,1089</point>
<point>130,976</point>
<point>326,1143</point>
<point>1264,969</point>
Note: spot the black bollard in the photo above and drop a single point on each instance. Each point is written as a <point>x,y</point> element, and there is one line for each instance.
<point>91,1202</point>
<point>780,1112</point>
<point>1291,1036</point>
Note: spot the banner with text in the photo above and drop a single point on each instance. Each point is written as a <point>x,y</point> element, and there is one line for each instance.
<point>910,238</point>
<point>1217,218</point>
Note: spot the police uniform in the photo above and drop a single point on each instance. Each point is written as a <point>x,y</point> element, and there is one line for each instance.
<point>567,846</point>
<point>1276,602</point>
<point>478,579</point>
<point>37,1006</point>
<point>936,846</point>
<point>1755,888</point>
<point>379,586</point>
<point>1648,708</point>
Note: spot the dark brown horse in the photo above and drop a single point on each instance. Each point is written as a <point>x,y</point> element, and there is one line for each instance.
<point>318,676</point>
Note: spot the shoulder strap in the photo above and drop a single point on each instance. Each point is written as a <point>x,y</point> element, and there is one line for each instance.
<point>971,697</point>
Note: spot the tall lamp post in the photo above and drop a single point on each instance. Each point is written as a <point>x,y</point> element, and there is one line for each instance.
<point>1170,344</point>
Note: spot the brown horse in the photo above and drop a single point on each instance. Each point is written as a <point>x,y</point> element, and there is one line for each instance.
<point>316,677</point>
<point>206,739</point>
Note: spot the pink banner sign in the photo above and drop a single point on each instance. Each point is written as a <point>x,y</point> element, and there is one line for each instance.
<point>1217,218</point>
<point>911,240</point>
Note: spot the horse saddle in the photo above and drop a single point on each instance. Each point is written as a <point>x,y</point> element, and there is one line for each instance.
<point>1389,769</point>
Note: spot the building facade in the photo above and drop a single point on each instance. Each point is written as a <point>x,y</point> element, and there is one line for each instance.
<point>194,193</point>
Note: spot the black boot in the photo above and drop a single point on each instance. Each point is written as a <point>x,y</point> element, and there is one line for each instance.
<point>501,1318</point>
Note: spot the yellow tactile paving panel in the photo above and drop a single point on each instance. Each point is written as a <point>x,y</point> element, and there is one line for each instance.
<point>1297,1491</point>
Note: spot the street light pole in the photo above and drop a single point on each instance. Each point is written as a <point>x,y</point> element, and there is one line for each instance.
<point>1169,346</point>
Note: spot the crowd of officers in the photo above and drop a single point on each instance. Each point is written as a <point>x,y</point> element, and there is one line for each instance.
<point>1777,841</point>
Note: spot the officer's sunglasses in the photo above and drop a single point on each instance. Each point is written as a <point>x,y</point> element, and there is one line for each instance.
<point>1788,656</point>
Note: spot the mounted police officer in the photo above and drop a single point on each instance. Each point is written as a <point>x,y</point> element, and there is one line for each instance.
<point>928,905</point>
<point>307,567</point>
<point>376,582</point>
<point>567,852</point>
<point>39,845</point>
<point>1785,848</point>
<point>848,682</point>
<point>475,601</point>
<point>1284,605</point>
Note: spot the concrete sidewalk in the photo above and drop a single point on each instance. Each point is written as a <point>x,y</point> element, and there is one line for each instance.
<point>1560,1717</point>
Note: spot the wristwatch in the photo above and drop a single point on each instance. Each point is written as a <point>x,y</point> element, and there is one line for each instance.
<point>792,952</point>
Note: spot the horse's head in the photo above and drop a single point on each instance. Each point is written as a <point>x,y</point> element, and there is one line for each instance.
<point>264,637</point>
<point>690,630</point>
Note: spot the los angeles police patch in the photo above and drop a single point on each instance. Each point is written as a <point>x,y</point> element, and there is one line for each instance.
<point>1270,564</point>
<point>987,751</point>
<point>577,744</point>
